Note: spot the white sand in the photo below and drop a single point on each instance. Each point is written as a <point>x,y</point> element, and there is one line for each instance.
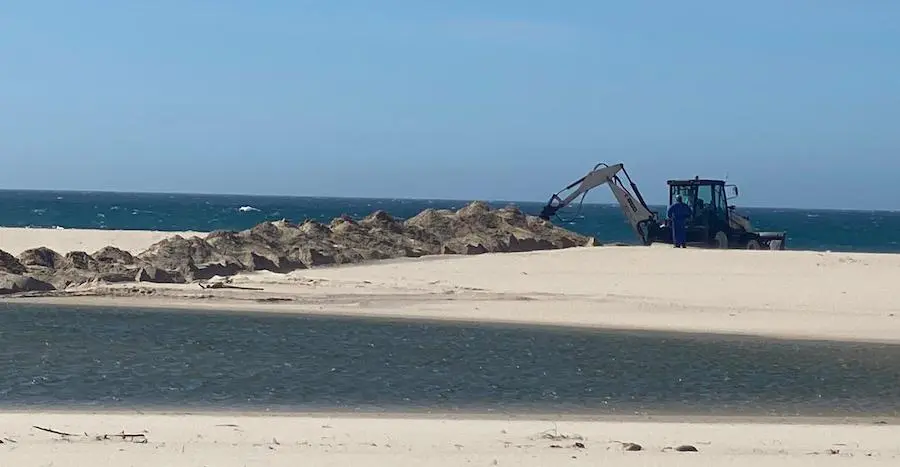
<point>772,293</point>
<point>224,440</point>
<point>15,240</point>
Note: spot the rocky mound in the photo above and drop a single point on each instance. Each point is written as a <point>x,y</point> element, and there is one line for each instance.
<point>283,247</point>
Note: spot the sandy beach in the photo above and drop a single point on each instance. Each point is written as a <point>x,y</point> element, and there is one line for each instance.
<point>15,240</point>
<point>777,294</point>
<point>321,440</point>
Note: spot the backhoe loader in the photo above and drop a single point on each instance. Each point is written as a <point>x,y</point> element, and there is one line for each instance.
<point>713,223</point>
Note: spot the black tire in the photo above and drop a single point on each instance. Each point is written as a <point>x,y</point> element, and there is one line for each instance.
<point>753,244</point>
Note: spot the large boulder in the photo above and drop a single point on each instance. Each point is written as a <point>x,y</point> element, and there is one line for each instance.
<point>150,273</point>
<point>432,226</point>
<point>17,283</point>
<point>275,233</point>
<point>81,260</point>
<point>65,278</point>
<point>257,249</point>
<point>9,264</point>
<point>112,255</point>
<point>311,256</point>
<point>42,257</point>
<point>381,220</point>
<point>311,229</point>
<point>115,265</point>
<point>42,263</point>
<point>193,258</point>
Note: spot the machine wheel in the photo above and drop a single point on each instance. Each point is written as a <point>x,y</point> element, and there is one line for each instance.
<point>721,240</point>
<point>753,244</point>
<point>776,245</point>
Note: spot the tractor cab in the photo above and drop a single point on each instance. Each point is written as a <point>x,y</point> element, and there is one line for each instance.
<point>711,219</point>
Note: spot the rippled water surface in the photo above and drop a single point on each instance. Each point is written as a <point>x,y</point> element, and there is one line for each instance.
<point>54,356</point>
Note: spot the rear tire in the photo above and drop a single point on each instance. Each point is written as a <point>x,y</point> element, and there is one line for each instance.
<point>776,245</point>
<point>753,245</point>
<point>721,240</point>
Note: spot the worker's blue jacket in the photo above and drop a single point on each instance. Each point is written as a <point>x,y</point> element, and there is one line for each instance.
<point>679,213</point>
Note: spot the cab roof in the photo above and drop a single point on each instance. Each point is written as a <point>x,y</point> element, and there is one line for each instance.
<point>695,181</point>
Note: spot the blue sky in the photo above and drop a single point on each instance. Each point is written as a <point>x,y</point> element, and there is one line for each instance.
<point>796,101</point>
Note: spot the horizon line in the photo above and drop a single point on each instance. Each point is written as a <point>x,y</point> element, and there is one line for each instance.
<point>385,198</point>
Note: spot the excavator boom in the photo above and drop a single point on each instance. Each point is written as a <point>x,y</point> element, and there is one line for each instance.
<point>641,218</point>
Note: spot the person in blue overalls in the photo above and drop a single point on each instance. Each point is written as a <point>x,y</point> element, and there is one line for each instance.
<point>678,215</point>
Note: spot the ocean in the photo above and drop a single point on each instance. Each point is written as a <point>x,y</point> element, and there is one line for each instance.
<point>818,230</point>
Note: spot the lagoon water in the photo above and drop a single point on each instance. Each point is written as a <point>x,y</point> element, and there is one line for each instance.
<point>52,356</point>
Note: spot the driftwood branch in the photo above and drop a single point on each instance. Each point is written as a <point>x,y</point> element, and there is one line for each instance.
<point>48,430</point>
<point>222,285</point>
<point>136,437</point>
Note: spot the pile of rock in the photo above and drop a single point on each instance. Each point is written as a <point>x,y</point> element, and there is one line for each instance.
<point>283,247</point>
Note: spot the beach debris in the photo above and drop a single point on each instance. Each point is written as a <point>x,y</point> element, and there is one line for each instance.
<point>133,437</point>
<point>628,446</point>
<point>685,448</point>
<point>223,285</point>
<point>283,247</point>
<point>554,435</point>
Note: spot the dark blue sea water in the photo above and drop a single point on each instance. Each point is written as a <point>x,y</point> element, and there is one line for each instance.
<point>866,231</point>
